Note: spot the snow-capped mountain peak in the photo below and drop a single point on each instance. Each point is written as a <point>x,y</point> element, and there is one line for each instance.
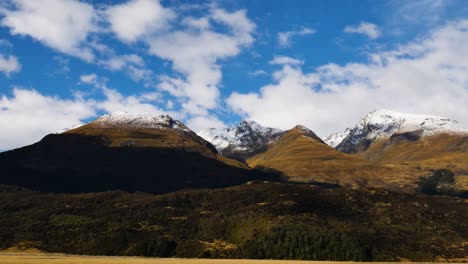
<point>138,121</point>
<point>242,140</point>
<point>336,138</point>
<point>385,123</point>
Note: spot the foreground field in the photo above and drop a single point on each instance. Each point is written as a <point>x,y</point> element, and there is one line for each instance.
<point>261,220</point>
<point>39,258</point>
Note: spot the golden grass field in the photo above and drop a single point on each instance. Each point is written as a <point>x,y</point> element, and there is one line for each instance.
<point>42,258</point>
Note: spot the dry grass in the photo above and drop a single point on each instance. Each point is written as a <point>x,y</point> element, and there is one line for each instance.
<point>306,159</point>
<point>38,258</point>
<point>433,152</point>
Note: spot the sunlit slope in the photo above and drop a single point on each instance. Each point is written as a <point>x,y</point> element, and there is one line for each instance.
<point>302,156</point>
<point>431,152</point>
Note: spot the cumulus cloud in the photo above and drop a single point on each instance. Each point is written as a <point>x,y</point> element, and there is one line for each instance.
<point>9,64</point>
<point>283,60</point>
<point>199,123</point>
<point>133,19</point>
<point>372,31</point>
<point>195,53</point>
<point>60,24</point>
<point>194,45</point>
<point>116,102</point>
<point>27,116</point>
<point>426,76</point>
<point>285,38</point>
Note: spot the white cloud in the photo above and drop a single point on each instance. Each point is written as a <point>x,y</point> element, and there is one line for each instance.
<point>372,31</point>
<point>195,53</point>
<point>9,64</point>
<point>417,11</point>
<point>118,62</point>
<point>199,123</point>
<point>60,24</point>
<point>116,102</point>
<point>89,78</point>
<point>284,38</point>
<point>27,116</point>
<point>282,60</point>
<point>242,27</point>
<point>134,19</point>
<point>426,76</point>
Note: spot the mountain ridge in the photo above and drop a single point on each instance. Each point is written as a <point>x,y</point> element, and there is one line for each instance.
<point>241,141</point>
<point>385,123</point>
<point>155,154</point>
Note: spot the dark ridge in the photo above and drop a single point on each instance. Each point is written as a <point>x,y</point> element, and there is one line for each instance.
<point>70,163</point>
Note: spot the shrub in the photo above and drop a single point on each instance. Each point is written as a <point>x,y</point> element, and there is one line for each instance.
<point>439,182</point>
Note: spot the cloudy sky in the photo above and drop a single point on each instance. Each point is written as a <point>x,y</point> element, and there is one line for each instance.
<point>323,64</point>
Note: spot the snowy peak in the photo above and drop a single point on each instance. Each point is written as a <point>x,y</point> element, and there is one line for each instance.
<point>336,138</point>
<point>385,123</point>
<point>138,121</point>
<point>240,141</point>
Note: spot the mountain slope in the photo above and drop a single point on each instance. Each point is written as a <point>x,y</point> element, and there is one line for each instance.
<point>382,124</point>
<point>304,157</point>
<point>127,130</point>
<point>122,151</point>
<point>241,141</point>
<point>425,142</point>
<point>336,138</point>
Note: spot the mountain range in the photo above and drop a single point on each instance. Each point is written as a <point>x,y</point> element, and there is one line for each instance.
<point>392,188</point>
<point>386,149</point>
<point>397,147</point>
<point>121,151</point>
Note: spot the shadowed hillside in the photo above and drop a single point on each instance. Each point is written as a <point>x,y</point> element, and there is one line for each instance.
<point>76,163</point>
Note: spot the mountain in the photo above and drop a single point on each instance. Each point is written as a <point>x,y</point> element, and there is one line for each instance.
<point>385,124</point>
<point>143,130</point>
<point>241,141</point>
<point>336,138</point>
<point>421,141</point>
<point>155,154</point>
<point>301,156</point>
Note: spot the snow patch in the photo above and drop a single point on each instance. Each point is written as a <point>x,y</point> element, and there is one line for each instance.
<point>138,121</point>
<point>246,136</point>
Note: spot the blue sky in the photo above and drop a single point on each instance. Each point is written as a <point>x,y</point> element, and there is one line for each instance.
<point>323,64</point>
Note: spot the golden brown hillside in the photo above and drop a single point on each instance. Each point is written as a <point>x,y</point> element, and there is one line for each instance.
<point>431,152</point>
<point>303,157</point>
